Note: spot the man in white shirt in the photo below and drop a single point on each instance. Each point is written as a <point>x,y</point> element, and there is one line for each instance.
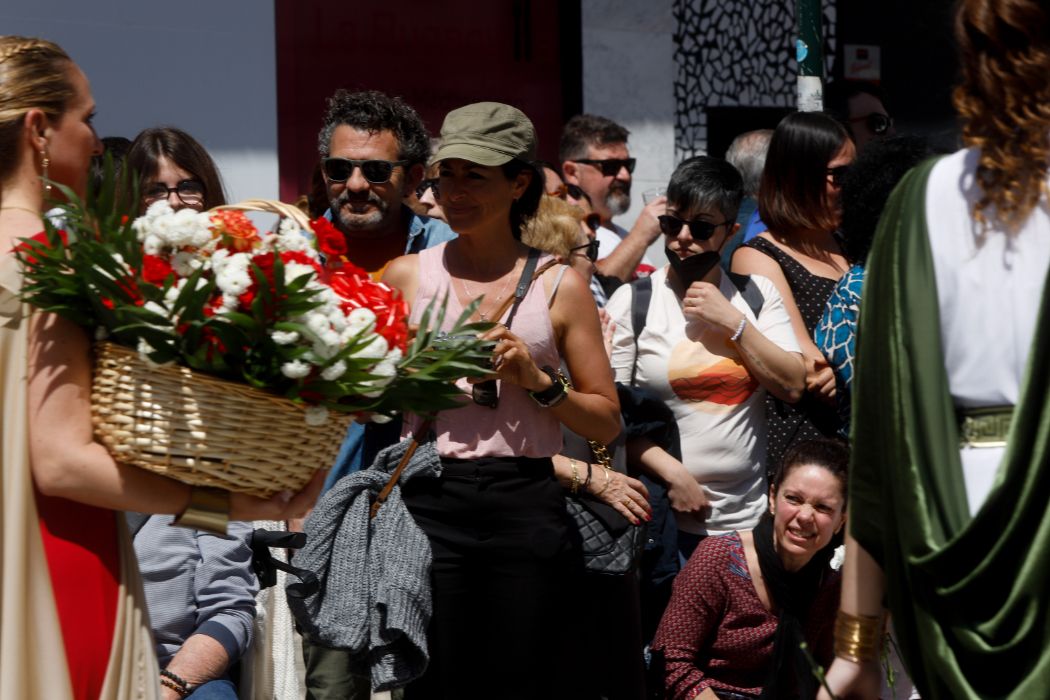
<point>594,156</point>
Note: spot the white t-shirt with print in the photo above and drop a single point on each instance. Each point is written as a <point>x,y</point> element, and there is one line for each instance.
<point>719,407</point>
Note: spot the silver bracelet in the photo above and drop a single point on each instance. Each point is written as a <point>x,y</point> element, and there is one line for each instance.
<point>739,331</point>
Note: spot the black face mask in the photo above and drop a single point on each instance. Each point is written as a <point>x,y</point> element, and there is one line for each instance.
<point>693,268</point>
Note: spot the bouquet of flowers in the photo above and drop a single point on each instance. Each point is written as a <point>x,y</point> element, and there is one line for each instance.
<point>279,311</point>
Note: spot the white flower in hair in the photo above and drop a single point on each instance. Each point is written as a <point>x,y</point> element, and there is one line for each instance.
<point>838,557</point>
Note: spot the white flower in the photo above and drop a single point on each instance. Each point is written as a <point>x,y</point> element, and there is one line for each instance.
<point>316,415</point>
<point>334,371</point>
<point>152,245</point>
<point>296,369</point>
<point>383,374</point>
<point>185,264</point>
<point>287,227</point>
<point>294,270</point>
<point>380,419</point>
<point>838,557</point>
<point>374,349</point>
<point>156,308</point>
<point>284,337</point>
<point>360,319</point>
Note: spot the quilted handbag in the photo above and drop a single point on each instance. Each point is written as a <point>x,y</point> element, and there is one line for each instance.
<point>611,545</point>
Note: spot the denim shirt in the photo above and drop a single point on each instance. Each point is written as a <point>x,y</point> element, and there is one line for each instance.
<point>363,442</point>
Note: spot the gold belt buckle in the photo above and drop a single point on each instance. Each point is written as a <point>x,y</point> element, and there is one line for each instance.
<point>982,428</point>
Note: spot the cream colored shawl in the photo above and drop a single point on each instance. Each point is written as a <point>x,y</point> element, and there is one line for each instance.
<point>32,655</point>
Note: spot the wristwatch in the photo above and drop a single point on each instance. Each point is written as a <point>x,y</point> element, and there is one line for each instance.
<point>557,392</point>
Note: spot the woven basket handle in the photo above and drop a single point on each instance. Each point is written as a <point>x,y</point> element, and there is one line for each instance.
<point>271,206</point>
<point>396,474</point>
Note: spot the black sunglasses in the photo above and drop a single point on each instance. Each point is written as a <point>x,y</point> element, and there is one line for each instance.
<point>699,230</point>
<point>590,249</point>
<point>878,122</point>
<point>838,174</point>
<point>375,171</point>
<point>593,221</point>
<point>431,183</point>
<point>609,166</point>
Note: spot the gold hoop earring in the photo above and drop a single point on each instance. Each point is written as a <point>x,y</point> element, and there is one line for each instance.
<point>44,162</point>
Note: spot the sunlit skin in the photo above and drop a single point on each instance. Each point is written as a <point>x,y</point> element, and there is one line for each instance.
<point>477,196</point>
<point>808,510</point>
<point>601,188</point>
<point>71,139</point>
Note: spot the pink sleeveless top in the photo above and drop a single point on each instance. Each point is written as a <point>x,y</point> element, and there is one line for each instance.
<point>518,427</point>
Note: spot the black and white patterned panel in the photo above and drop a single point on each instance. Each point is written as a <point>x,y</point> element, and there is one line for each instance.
<point>735,53</point>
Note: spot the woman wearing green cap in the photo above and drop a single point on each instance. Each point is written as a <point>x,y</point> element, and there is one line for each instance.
<point>505,571</point>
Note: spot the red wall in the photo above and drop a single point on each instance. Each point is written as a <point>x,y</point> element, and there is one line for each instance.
<point>437,55</point>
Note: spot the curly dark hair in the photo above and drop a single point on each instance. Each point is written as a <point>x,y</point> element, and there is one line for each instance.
<point>372,111</point>
<point>586,130</point>
<point>868,185</point>
<point>830,453</point>
<point>1004,102</point>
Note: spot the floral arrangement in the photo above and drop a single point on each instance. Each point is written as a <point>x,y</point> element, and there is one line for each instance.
<point>281,310</point>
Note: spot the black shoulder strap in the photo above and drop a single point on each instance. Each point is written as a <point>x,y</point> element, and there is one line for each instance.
<point>523,283</point>
<point>641,293</point>
<point>749,291</point>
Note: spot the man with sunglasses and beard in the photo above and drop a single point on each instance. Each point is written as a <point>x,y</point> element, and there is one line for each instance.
<point>594,156</point>
<point>712,346</point>
<point>373,151</point>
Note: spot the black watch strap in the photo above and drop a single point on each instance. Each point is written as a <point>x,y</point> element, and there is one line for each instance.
<point>555,393</point>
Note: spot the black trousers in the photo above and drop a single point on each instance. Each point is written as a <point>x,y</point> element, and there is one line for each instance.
<point>506,575</point>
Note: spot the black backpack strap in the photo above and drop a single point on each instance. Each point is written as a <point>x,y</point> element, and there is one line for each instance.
<point>749,291</point>
<point>641,293</point>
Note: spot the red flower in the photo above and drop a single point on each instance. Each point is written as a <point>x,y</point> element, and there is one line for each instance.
<point>329,240</point>
<point>155,270</point>
<point>357,290</point>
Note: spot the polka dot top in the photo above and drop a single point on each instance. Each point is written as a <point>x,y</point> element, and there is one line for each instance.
<point>810,418</point>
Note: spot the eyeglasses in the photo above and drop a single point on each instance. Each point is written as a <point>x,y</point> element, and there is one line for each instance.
<point>609,166</point>
<point>564,189</point>
<point>375,171</point>
<point>878,122</point>
<point>431,183</point>
<point>699,230</point>
<point>590,249</point>
<point>838,174</point>
<point>189,192</point>
<point>593,221</point>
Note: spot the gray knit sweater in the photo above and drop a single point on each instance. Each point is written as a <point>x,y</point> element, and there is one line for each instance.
<point>374,598</point>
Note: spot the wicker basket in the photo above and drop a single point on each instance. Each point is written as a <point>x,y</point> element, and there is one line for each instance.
<point>206,431</point>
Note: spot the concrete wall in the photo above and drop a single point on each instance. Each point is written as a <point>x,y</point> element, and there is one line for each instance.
<point>205,67</point>
<point>628,76</point>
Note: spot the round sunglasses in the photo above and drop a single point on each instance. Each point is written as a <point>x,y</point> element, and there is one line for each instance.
<point>590,249</point>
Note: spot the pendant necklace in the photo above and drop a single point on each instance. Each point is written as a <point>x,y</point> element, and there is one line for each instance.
<point>499,297</point>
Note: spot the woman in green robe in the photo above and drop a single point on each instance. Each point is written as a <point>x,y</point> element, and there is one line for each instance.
<point>949,524</point>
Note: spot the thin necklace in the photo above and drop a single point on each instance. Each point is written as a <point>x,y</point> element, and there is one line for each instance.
<point>499,297</point>
<point>31,211</point>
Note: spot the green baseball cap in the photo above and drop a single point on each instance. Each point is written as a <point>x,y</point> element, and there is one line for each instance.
<point>487,133</point>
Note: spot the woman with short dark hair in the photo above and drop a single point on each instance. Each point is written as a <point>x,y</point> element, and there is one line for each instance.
<point>798,200</point>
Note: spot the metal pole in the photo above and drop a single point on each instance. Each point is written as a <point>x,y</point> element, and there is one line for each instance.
<point>809,49</point>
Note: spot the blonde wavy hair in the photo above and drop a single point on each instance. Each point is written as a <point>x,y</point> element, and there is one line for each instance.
<point>34,74</point>
<point>556,227</point>
<point>1004,102</point>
